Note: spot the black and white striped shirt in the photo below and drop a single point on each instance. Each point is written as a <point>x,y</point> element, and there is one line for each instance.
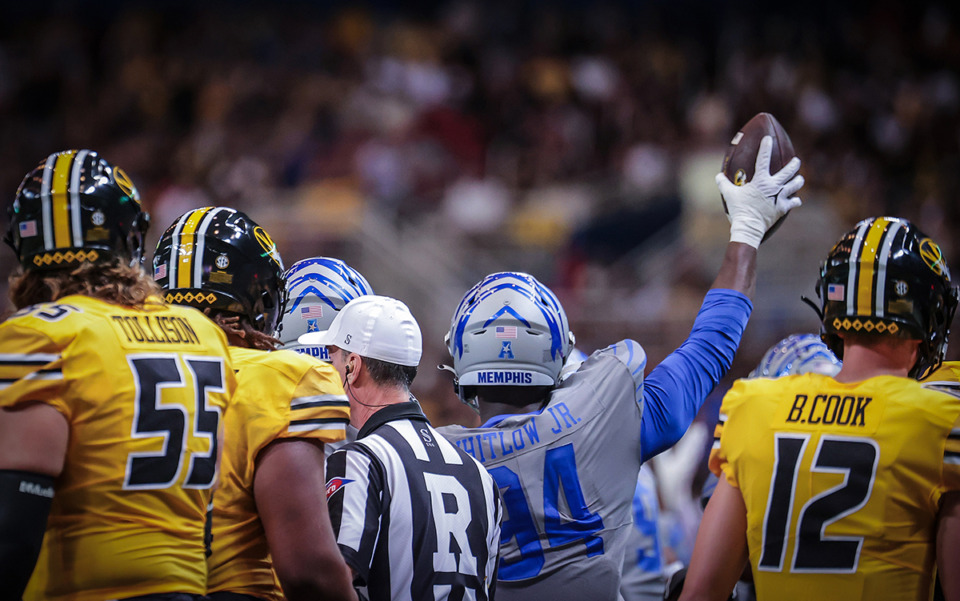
<point>415,517</point>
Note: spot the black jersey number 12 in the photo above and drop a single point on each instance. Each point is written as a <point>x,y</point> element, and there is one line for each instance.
<point>854,458</point>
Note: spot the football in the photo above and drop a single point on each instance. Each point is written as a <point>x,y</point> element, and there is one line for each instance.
<point>741,156</point>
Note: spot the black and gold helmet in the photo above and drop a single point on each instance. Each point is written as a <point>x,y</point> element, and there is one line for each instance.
<point>219,258</point>
<point>74,208</point>
<point>887,277</point>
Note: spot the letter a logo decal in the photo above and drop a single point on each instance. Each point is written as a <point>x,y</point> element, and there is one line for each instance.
<point>505,351</point>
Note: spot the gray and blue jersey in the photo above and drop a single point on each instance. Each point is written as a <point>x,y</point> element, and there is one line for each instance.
<point>568,473</point>
<point>644,578</point>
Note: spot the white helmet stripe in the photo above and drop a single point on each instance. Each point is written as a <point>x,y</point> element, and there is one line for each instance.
<point>75,214</point>
<point>201,245</point>
<point>172,266</point>
<point>46,202</point>
<point>889,235</point>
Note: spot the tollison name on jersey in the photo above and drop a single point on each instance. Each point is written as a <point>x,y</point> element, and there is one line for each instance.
<point>830,409</point>
<point>156,329</point>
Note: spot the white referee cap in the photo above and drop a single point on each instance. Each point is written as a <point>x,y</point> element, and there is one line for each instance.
<point>378,327</point>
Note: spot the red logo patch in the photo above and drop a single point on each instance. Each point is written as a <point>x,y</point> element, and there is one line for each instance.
<point>335,484</point>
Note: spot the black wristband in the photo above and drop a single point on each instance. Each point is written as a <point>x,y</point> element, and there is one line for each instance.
<point>25,500</point>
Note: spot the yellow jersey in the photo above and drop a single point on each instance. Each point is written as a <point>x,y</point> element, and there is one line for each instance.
<point>143,392</point>
<point>945,379</point>
<point>841,482</point>
<point>280,395</point>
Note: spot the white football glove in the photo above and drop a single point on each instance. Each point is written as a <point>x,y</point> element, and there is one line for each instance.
<point>754,207</point>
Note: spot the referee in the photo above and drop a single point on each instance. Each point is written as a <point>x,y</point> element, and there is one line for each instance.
<point>415,517</point>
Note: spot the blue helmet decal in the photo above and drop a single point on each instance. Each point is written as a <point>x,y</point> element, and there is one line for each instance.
<point>347,274</point>
<point>529,288</point>
<point>348,284</point>
<point>303,292</point>
<point>506,309</point>
<point>797,354</point>
<point>317,288</point>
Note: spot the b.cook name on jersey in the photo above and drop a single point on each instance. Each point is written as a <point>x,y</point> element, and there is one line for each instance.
<point>155,329</point>
<point>830,409</point>
<point>503,377</point>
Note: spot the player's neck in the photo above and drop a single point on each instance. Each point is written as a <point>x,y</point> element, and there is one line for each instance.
<point>490,410</point>
<point>890,357</point>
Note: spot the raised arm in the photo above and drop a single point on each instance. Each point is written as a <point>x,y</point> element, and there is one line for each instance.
<point>738,270</point>
<point>676,389</point>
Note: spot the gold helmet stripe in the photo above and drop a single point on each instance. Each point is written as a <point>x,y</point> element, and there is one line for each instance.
<point>866,266</point>
<point>181,261</point>
<point>868,260</point>
<point>46,204</point>
<point>75,212</point>
<point>60,205</point>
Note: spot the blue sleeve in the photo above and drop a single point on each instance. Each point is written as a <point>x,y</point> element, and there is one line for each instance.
<point>675,390</point>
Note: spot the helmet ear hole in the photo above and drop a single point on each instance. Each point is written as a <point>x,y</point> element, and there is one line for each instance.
<point>9,239</point>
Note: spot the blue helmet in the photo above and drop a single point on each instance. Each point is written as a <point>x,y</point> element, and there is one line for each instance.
<point>509,330</point>
<point>317,288</point>
<point>797,354</point>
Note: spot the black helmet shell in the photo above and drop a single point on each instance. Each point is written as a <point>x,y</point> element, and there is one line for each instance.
<point>219,258</point>
<point>75,207</point>
<point>887,277</point>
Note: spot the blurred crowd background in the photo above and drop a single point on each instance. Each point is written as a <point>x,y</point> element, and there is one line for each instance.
<point>428,143</point>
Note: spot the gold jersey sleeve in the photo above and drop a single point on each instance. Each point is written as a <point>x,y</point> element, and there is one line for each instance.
<point>841,482</point>
<point>281,395</point>
<point>945,379</point>
<point>143,392</point>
